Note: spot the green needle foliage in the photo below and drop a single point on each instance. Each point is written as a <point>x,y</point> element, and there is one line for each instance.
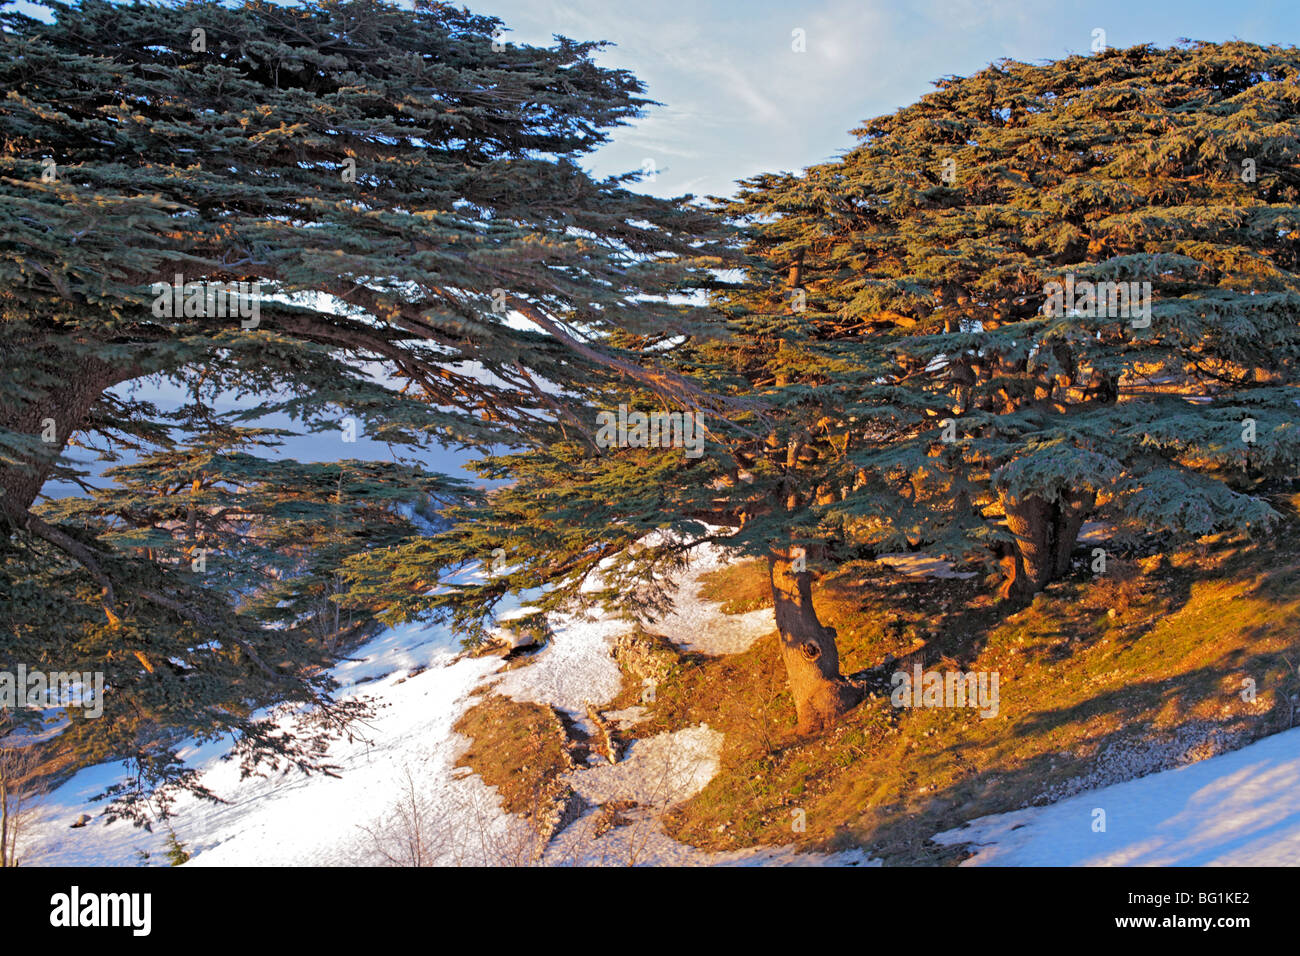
<point>919,385</point>
<point>395,201</point>
<point>997,414</point>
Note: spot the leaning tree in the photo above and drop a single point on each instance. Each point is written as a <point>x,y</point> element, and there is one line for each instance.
<point>368,219</point>
<point>940,366</point>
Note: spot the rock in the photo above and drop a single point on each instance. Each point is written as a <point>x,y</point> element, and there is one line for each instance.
<point>645,656</point>
<point>609,745</point>
<point>511,638</point>
<point>563,807</point>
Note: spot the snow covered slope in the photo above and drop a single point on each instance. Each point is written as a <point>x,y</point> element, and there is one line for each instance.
<point>1236,809</point>
<point>404,769</point>
<point>1240,808</point>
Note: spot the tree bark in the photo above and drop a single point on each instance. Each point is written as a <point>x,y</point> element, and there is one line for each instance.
<point>4,820</point>
<point>1046,533</point>
<point>812,661</point>
<point>79,384</point>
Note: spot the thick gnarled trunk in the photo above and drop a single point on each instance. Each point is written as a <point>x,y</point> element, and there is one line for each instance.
<point>64,404</point>
<point>812,661</point>
<point>1046,533</point>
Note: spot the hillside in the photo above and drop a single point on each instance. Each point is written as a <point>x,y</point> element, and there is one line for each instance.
<point>507,759</point>
<point>1103,679</point>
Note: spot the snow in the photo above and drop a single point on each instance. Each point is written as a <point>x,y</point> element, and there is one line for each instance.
<point>922,566</point>
<point>574,668</point>
<point>404,769</point>
<point>696,625</point>
<point>642,842</point>
<point>1236,809</point>
<point>657,772</point>
<point>653,775</point>
<point>295,819</point>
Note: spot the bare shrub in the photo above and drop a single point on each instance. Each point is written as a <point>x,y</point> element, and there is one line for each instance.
<point>22,787</point>
<point>465,829</point>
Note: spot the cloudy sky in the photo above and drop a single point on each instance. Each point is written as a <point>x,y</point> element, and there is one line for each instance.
<point>738,99</point>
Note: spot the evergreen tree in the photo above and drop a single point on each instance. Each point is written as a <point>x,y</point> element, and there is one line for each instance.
<point>360,216</point>
<point>1076,285</point>
<point>918,382</point>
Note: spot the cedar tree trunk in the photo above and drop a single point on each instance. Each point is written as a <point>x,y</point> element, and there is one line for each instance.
<point>812,661</point>
<point>1046,533</point>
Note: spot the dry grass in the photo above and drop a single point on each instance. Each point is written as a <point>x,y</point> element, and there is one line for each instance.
<point>519,748</point>
<point>738,587</point>
<point>1102,678</point>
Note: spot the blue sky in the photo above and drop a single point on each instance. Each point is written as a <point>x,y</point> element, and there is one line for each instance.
<point>738,100</point>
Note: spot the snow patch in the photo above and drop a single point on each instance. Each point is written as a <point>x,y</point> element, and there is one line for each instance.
<point>1236,809</point>
<point>657,771</point>
<point>698,625</point>
<point>922,566</point>
<point>640,841</point>
<point>575,667</point>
